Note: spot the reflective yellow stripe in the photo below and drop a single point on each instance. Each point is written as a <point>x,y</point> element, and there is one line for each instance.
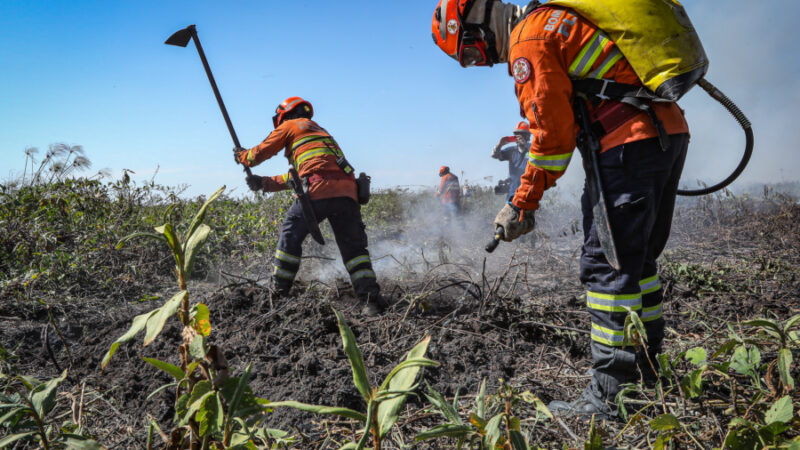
<point>613,303</point>
<point>588,55</point>
<point>311,154</point>
<point>550,162</point>
<point>283,273</point>
<point>356,261</point>
<point>652,313</point>
<point>364,273</point>
<point>607,64</point>
<point>650,285</point>
<point>285,177</point>
<point>285,257</point>
<point>312,138</point>
<point>607,336</point>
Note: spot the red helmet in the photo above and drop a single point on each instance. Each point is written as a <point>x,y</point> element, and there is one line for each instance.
<point>469,44</point>
<point>290,104</point>
<point>444,170</point>
<point>522,127</point>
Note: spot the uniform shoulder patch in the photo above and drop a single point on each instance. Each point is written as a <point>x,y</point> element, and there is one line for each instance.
<point>521,70</point>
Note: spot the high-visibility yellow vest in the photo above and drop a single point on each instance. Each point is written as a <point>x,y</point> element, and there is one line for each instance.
<point>655,36</point>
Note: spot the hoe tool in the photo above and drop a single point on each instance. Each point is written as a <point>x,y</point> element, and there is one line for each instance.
<point>181,38</point>
<point>589,146</point>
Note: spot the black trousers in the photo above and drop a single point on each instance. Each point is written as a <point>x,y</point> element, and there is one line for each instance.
<point>344,215</point>
<point>640,182</point>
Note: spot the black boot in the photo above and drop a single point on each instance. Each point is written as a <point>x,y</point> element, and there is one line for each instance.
<point>586,406</point>
<point>374,303</point>
<point>280,288</point>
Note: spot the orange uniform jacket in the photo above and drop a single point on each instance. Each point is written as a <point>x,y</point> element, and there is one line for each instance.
<point>449,189</point>
<point>548,48</point>
<point>313,153</point>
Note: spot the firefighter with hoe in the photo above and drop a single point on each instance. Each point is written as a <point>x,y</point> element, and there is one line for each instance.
<point>642,145</point>
<point>449,193</point>
<point>328,180</point>
<point>513,149</point>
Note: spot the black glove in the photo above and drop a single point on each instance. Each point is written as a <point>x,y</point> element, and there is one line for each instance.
<point>255,183</point>
<point>237,152</point>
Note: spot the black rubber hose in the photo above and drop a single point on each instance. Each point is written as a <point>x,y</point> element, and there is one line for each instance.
<point>748,134</point>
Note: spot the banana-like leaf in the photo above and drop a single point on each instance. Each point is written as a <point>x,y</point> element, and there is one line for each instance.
<point>360,377</point>
<point>320,409</point>
<point>767,324</point>
<point>129,237</point>
<point>785,367</point>
<point>43,396</point>
<point>171,369</point>
<point>13,412</point>
<point>446,430</point>
<point>790,323</point>
<point>518,441</point>
<point>201,214</point>
<point>78,442</point>
<point>11,438</point>
<point>493,431</point>
<point>174,243</point>
<point>193,245</point>
<point>156,322</point>
<point>139,322</point>
<point>401,378</point>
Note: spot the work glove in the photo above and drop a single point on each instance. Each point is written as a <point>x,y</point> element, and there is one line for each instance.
<point>238,154</point>
<point>514,221</point>
<point>255,183</point>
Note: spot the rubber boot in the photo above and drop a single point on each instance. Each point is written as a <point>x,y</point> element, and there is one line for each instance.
<point>369,293</point>
<point>280,288</point>
<point>586,406</point>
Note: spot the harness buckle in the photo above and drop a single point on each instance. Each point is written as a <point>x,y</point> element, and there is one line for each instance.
<point>601,95</point>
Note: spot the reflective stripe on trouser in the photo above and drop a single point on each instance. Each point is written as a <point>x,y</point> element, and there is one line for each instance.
<point>344,216</point>
<point>640,183</point>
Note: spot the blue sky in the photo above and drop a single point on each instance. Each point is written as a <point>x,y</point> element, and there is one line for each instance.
<point>96,73</point>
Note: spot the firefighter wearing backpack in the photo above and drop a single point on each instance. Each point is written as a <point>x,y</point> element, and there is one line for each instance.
<point>332,188</point>
<point>546,49</point>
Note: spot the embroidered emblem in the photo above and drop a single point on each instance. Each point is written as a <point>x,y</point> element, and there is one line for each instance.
<point>452,26</point>
<point>521,70</point>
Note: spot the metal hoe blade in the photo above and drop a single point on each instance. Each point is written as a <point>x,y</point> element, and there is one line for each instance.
<point>181,38</point>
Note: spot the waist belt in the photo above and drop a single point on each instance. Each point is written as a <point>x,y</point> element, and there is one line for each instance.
<point>611,116</point>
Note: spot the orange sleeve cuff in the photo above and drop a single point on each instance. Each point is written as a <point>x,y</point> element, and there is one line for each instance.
<point>533,184</point>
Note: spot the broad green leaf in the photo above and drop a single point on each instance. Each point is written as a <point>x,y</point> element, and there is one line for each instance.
<point>171,369</point>
<point>139,322</point>
<point>174,244</point>
<point>360,377</point>
<point>785,367</point>
<point>200,319</point>
<point>156,322</point>
<point>320,409</point>
<point>493,431</point>
<point>201,214</point>
<point>662,441</point>
<point>518,441</point>
<point>210,416</point>
<point>665,422</point>
<point>664,366</point>
<point>8,440</point>
<point>697,356</point>
<point>11,413</point>
<point>202,390</point>
<point>43,397</point>
<point>692,384</point>
<point>744,361</point>
<point>193,245</point>
<point>401,378</point>
<point>782,411</point>
<point>77,442</point>
<point>180,407</point>
<point>542,408</point>
<point>478,422</point>
<point>197,348</point>
<point>446,430</point>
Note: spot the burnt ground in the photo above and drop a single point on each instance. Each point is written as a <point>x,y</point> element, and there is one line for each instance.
<point>519,317</point>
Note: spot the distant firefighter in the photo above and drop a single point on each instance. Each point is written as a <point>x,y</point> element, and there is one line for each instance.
<point>513,149</point>
<point>449,192</point>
